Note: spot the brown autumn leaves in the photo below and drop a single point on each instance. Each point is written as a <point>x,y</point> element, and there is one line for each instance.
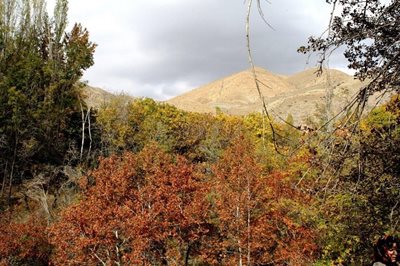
<point>154,208</point>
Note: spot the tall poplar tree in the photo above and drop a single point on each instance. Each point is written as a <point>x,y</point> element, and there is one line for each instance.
<point>40,66</point>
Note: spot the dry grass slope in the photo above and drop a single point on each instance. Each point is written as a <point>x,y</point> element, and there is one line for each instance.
<point>298,94</point>
<point>96,97</point>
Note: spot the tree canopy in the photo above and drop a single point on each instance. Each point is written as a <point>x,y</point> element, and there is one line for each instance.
<point>40,66</point>
<point>369,33</point>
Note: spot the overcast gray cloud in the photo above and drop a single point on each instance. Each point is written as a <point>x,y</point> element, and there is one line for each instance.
<point>162,48</point>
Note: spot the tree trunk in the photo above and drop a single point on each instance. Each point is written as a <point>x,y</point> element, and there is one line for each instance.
<point>240,263</point>
<point>248,221</point>
<point>90,133</point>
<point>83,129</point>
<point>4,181</point>
<point>12,173</point>
<point>187,255</point>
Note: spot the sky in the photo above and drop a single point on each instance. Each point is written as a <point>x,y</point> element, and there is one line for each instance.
<point>163,48</point>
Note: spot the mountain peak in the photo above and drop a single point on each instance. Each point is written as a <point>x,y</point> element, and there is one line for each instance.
<point>298,94</point>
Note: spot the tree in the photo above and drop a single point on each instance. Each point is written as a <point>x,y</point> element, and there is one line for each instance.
<point>253,213</point>
<point>23,243</point>
<point>369,31</point>
<point>362,198</point>
<point>40,66</point>
<point>148,208</point>
<point>113,123</point>
<point>129,126</point>
<point>359,176</point>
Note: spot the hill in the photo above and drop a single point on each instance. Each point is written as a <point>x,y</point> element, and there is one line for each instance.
<point>299,94</point>
<point>96,97</point>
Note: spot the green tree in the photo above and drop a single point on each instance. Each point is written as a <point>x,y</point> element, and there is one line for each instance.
<point>40,66</point>
<point>359,171</point>
<point>360,189</point>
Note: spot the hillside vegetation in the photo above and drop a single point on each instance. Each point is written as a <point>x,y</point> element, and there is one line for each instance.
<point>139,182</point>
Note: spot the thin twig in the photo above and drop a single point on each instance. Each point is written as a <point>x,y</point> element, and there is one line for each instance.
<point>253,70</point>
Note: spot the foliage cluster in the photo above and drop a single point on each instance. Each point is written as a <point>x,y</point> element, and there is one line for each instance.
<point>40,106</point>
<point>360,190</point>
<point>369,32</point>
<point>166,210</point>
<point>23,243</point>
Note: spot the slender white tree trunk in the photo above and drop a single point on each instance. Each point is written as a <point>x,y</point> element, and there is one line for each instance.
<point>83,128</point>
<point>12,172</point>
<point>248,221</point>
<point>240,262</point>
<point>90,132</point>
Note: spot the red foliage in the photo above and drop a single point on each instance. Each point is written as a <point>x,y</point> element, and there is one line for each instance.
<point>143,208</point>
<point>295,240</point>
<point>24,242</point>
<point>254,226</point>
<point>153,208</point>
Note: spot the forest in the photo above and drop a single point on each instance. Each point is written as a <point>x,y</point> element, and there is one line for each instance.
<point>143,183</point>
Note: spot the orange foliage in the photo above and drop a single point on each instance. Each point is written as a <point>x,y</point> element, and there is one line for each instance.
<point>253,224</point>
<point>295,239</point>
<point>23,242</point>
<point>154,208</point>
<point>146,208</point>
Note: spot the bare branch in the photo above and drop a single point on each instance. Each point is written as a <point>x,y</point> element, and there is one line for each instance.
<point>253,70</point>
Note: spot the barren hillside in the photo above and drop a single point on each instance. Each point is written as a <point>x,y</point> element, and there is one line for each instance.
<point>298,94</point>
<point>96,97</point>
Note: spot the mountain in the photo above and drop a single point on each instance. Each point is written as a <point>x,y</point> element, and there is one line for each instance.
<point>298,94</point>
